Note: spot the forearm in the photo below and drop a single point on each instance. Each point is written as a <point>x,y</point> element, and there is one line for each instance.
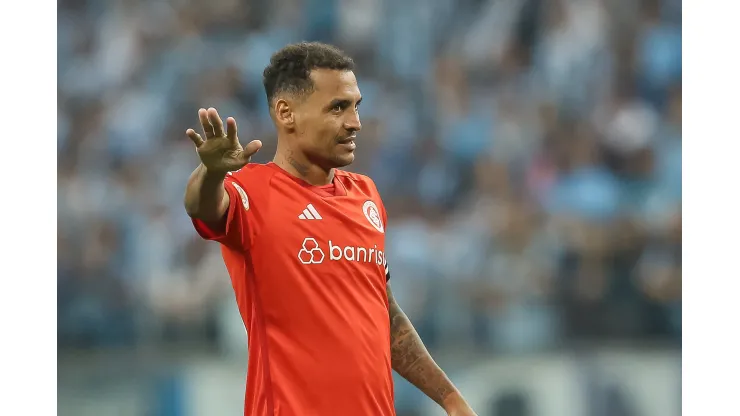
<point>205,197</point>
<point>411,360</point>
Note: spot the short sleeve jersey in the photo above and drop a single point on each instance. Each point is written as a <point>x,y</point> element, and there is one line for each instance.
<point>308,269</point>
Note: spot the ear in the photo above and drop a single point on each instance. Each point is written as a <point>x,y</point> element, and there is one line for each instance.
<point>284,114</point>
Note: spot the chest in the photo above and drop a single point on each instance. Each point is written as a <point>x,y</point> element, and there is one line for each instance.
<point>339,233</point>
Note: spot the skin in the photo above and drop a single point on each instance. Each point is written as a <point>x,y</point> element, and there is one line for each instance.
<point>411,360</point>
<point>317,131</point>
<point>316,134</point>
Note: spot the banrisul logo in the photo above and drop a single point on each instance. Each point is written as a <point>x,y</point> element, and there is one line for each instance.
<point>314,252</point>
<point>310,252</point>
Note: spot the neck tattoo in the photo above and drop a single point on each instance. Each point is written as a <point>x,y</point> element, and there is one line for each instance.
<point>298,166</point>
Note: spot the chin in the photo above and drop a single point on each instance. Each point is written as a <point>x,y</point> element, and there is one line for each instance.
<point>345,159</point>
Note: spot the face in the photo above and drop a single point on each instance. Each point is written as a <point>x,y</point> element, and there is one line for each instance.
<point>327,120</point>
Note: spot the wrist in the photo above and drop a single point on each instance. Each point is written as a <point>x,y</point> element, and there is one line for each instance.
<point>212,175</point>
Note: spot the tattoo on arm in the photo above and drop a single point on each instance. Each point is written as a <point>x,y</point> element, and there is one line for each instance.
<point>411,360</point>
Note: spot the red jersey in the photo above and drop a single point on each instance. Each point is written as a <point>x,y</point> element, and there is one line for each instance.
<point>308,268</point>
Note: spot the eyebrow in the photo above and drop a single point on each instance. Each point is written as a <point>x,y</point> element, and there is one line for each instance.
<point>342,103</point>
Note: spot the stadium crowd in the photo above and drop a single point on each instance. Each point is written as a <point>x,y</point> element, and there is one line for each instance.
<point>528,153</point>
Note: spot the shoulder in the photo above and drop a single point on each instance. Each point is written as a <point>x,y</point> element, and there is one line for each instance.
<point>252,181</point>
<point>253,174</point>
<point>253,168</point>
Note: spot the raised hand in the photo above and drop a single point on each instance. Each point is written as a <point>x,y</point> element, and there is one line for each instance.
<point>221,151</point>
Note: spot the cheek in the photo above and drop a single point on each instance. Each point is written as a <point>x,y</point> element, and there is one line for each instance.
<point>327,132</point>
<point>318,137</point>
<point>319,131</point>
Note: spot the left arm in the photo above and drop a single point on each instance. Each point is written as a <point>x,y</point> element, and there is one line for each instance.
<point>411,360</point>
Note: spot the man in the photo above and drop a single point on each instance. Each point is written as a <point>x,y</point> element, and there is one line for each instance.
<point>304,244</point>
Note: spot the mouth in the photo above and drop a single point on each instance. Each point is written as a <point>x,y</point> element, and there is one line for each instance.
<point>349,139</point>
<point>349,145</point>
<point>349,142</point>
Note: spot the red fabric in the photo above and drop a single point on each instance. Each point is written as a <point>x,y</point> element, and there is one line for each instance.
<point>311,292</point>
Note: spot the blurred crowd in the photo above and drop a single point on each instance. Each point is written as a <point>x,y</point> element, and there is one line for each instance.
<point>528,153</point>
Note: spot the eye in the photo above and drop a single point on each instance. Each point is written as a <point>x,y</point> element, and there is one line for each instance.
<point>337,108</point>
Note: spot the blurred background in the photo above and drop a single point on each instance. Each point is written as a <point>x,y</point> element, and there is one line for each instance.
<point>528,152</point>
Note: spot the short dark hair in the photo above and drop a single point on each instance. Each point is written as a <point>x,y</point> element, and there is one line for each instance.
<point>290,67</point>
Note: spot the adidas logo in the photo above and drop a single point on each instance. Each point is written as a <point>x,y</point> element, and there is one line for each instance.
<point>310,213</point>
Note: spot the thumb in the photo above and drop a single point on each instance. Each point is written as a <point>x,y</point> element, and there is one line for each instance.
<point>250,149</point>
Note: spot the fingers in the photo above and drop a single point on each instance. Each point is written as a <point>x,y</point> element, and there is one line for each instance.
<point>194,137</point>
<point>205,123</point>
<point>231,128</point>
<point>250,149</point>
<point>215,121</point>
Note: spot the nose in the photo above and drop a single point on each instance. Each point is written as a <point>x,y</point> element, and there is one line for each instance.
<point>352,122</point>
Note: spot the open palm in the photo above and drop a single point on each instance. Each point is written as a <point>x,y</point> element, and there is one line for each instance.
<point>221,151</point>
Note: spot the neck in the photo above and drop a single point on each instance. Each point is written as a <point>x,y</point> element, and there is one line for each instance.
<point>298,165</point>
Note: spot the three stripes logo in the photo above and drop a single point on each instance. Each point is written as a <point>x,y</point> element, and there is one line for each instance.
<point>310,213</point>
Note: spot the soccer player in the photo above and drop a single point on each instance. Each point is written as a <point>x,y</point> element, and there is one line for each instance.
<point>304,244</point>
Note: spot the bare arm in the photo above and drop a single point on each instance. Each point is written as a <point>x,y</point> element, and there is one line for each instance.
<point>220,152</point>
<point>205,197</point>
<point>411,360</point>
